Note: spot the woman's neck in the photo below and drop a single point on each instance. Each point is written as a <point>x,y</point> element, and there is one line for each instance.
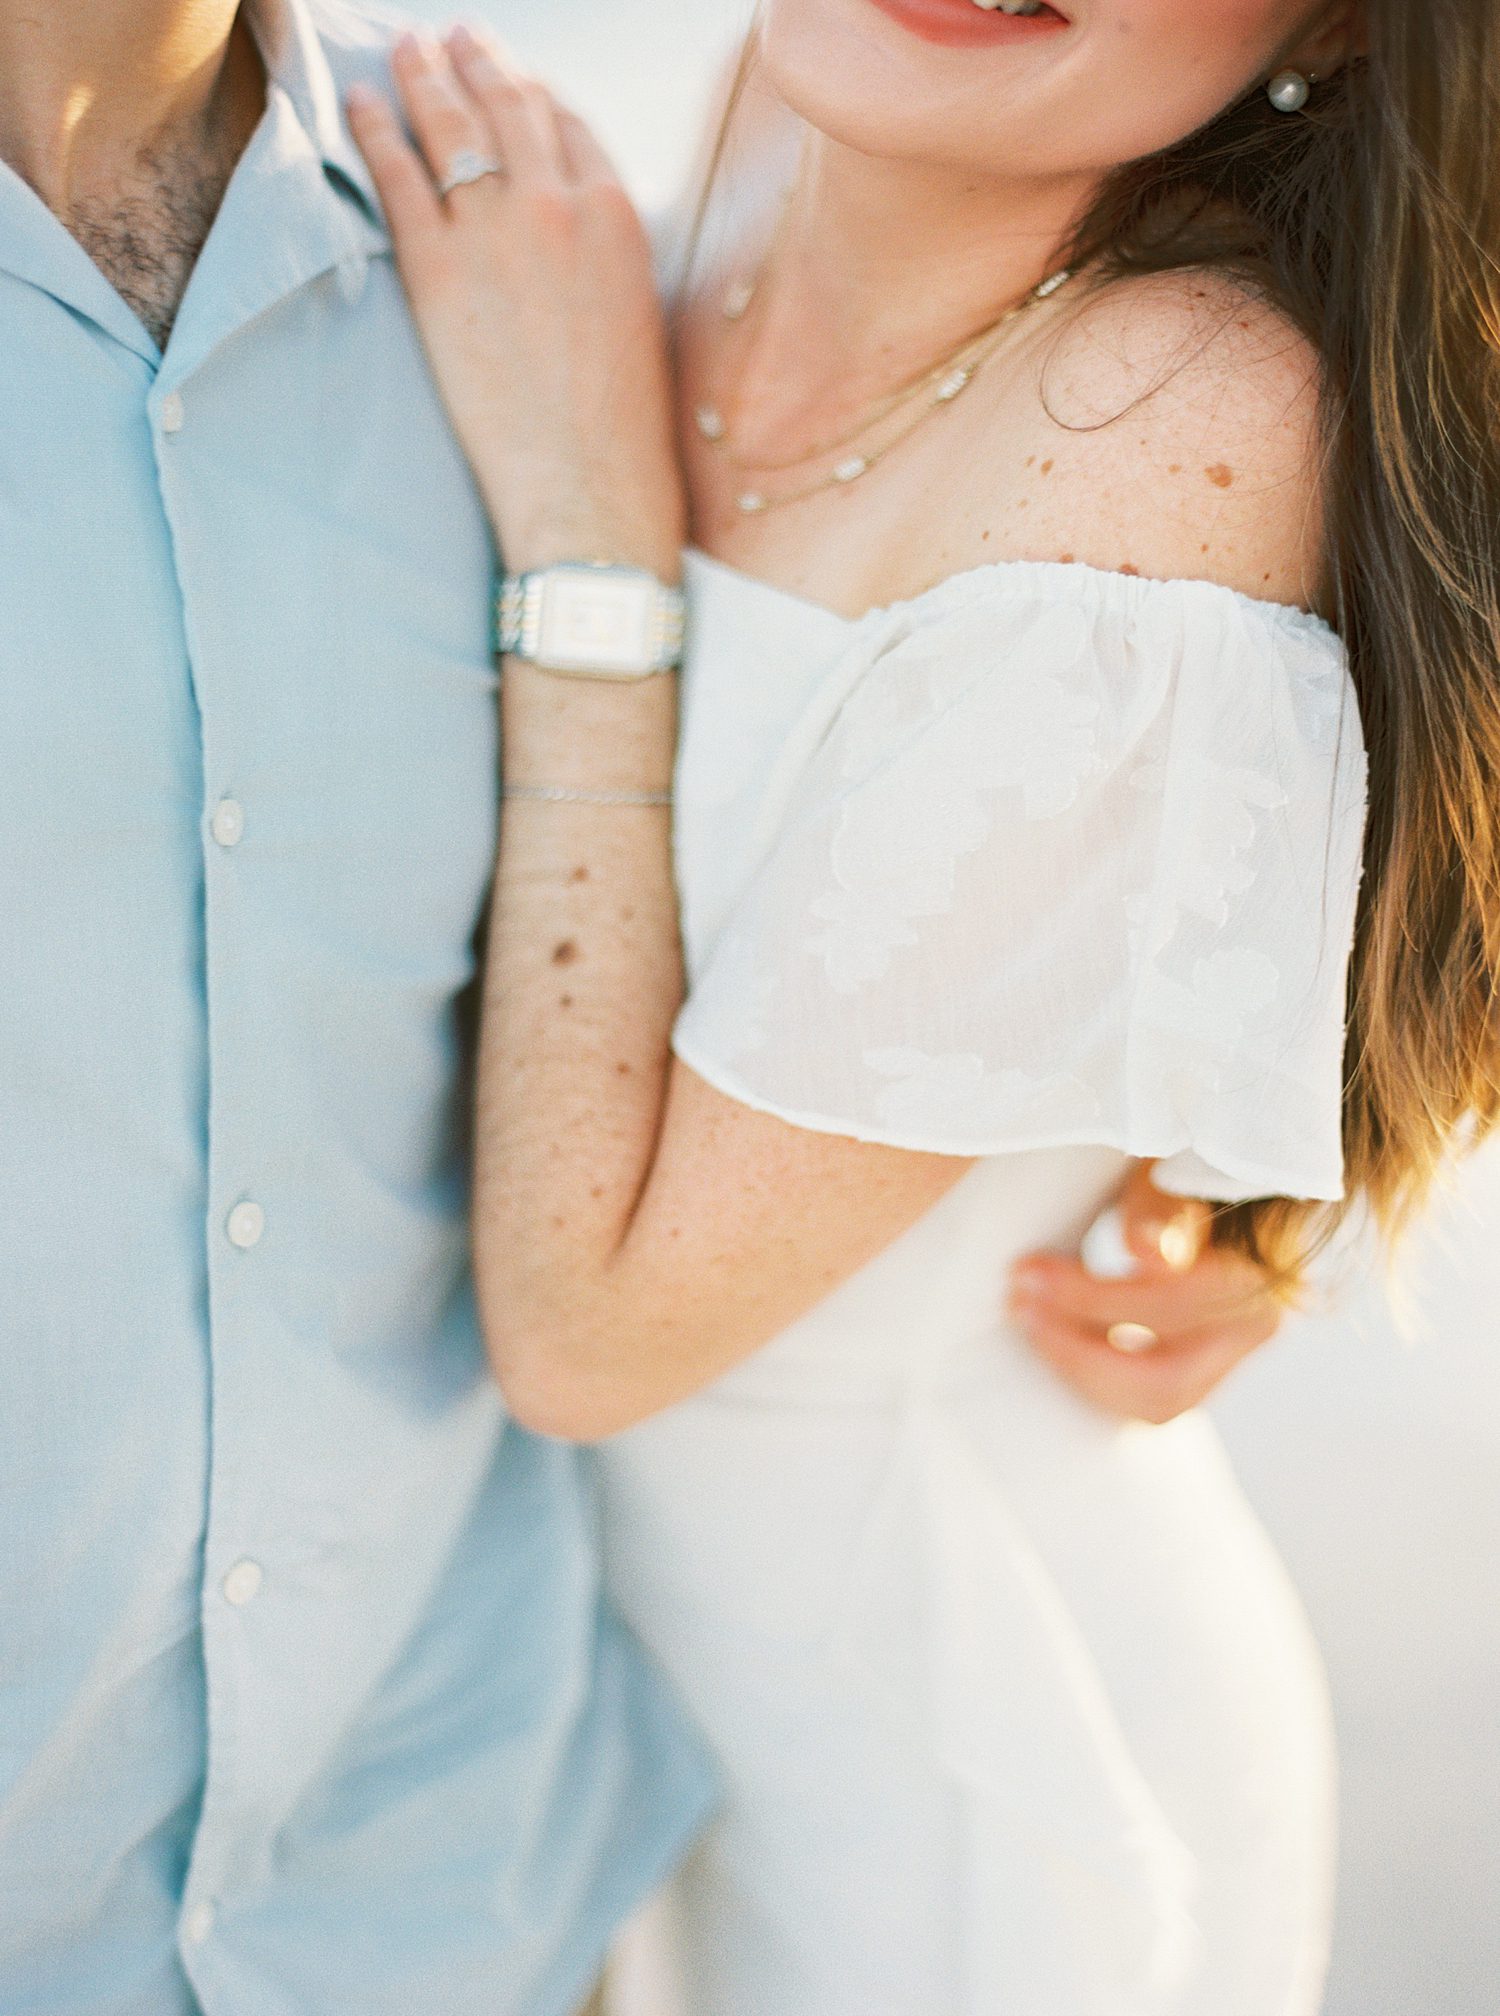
<point>878,266</point>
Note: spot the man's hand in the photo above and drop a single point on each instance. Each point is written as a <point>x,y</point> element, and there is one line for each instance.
<point>1150,1345</point>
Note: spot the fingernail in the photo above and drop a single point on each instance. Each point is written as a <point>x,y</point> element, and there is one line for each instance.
<point>1132,1338</point>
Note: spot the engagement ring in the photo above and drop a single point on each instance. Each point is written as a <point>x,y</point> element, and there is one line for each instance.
<point>466,168</point>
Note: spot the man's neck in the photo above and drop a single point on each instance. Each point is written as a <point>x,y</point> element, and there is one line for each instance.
<point>127,118</point>
<point>88,87</point>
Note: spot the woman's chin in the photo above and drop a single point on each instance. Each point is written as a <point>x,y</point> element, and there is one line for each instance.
<point>853,73</point>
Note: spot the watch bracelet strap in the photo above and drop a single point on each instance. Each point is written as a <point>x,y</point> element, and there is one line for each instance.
<point>518,614</point>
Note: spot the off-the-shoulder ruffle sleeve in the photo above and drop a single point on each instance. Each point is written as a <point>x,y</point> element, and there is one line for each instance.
<point>1075,862</point>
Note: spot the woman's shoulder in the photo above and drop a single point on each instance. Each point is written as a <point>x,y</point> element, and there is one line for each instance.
<point>1175,435</point>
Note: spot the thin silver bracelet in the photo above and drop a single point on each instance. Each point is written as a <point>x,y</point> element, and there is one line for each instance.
<point>558,794</point>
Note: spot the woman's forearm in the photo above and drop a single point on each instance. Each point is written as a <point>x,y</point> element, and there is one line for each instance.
<point>583,982</point>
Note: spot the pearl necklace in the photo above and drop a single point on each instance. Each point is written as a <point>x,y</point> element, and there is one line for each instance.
<point>935,387</point>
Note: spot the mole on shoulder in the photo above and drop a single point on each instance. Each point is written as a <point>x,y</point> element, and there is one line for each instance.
<point>579,875</point>
<point>565,953</point>
<point>1129,567</point>
<point>1048,466</point>
<point>1220,475</point>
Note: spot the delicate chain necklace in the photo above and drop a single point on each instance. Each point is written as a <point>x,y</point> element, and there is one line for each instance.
<point>935,387</point>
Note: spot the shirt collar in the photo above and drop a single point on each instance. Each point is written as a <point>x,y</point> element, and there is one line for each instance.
<point>297,63</point>
<point>303,123</point>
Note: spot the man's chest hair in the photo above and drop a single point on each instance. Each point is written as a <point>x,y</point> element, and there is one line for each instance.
<point>145,234</point>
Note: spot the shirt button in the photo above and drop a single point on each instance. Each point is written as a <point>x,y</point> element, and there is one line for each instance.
<point>243,1583</point>
<point>173,413</point>
<point>228,823</point>
<point>246,1226</point>
<point>198,1924</point>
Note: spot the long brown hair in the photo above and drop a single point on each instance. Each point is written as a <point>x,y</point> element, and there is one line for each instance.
<point>1372,221</point>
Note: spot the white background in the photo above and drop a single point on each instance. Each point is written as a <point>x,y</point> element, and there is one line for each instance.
<point>1375,1461</point>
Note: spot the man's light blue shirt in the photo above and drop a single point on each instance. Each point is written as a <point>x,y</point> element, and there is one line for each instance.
<point>307,1701</point>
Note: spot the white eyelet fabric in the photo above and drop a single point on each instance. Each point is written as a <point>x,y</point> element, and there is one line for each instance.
<point>1046,857</point>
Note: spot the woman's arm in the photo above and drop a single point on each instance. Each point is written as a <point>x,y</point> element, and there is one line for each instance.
<point>636,1232</point>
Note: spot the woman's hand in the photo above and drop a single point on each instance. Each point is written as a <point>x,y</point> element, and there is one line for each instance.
<point>534,294</point>
<point>1208,1309</point>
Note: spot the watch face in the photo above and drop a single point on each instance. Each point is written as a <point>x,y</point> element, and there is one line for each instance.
<point>599,621</point>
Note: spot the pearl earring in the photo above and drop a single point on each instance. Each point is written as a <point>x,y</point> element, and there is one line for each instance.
<point>1289,90</point>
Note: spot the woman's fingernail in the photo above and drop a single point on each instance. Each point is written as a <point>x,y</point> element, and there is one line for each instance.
<point>1132,1338</point>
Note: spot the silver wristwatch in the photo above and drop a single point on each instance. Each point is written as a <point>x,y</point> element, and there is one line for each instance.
<point>592,621</point>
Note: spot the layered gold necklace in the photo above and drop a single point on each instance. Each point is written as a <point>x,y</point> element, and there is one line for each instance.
<point>909,407</point>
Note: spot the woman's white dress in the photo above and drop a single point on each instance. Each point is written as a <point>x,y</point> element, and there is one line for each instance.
<point>1016,1712</point>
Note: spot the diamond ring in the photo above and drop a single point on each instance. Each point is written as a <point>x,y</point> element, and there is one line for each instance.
<point>1132,1337</point>
<point>469,167</point>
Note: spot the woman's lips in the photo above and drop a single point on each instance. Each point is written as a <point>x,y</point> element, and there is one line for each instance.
<point>960,24</point>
